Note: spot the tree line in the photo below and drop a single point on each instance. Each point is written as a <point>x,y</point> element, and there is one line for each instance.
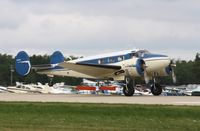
<point>187,72</point>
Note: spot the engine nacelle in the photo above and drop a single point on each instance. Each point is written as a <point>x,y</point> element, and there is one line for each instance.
<point>158,67</point>
<point>134,67</point>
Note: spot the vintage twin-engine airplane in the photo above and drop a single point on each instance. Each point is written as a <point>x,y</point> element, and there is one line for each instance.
<point>118,66</point>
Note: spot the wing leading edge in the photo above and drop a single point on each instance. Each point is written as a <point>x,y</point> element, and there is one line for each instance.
<point>94,70</point>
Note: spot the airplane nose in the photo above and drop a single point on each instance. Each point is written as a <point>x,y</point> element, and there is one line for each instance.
<point>156,63</point>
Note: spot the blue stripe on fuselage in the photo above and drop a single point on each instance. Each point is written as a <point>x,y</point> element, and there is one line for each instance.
<point>115,58</point>
<point>107,60</point>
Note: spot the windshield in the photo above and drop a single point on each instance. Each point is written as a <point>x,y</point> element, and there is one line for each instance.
<point>141,53</point>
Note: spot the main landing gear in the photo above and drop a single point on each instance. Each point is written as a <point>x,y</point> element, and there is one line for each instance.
<point>128,88</point>
<point>156,88</point>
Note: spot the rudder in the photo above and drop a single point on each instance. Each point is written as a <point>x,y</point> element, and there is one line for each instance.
<point>22,63</point>
<point>57,57</point>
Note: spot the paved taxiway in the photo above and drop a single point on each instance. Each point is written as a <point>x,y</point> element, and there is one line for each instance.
<point>163,100</point>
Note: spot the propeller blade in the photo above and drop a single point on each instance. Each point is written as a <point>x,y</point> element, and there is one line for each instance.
<point>173,76</point>
<point>173,66</point>
<point>146,77</point>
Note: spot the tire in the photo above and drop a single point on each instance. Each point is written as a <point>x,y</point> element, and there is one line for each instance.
<point>129,89</point>
<point>157,90</point>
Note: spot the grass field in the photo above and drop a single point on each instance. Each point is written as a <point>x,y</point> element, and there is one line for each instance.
<point>69,116</point>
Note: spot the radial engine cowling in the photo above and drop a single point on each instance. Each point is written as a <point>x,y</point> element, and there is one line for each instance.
<point>158,67</point>
<point>135,67</point>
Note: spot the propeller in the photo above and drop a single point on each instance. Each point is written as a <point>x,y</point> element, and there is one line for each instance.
<point>173,66</point>
<point>146,77</point>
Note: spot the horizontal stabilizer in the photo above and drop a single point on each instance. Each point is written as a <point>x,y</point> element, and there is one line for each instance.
<point>42,67</point>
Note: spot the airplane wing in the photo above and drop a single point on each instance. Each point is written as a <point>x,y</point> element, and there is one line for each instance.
<point>94,70</point>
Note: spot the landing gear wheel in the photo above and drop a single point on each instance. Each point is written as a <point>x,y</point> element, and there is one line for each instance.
<point>51,81</point>
<point>156,89</point>
<point>128,89</point>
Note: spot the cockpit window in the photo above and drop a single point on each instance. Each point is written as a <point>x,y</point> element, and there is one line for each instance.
<point>131,55</point>
<point>141,53</point>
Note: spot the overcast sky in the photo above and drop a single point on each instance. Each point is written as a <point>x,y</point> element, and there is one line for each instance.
<point>87,27</point>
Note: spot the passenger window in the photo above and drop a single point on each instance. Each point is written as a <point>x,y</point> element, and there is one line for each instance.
<point>120,58</point>
<point>101,61</point>
<point>111,60</point>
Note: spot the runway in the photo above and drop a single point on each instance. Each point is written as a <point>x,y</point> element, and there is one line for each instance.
<point>161,100</point>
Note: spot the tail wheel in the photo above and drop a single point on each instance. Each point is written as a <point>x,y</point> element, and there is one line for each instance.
<point>129,89</point>
<point>156,89</point>
<point>51,81</point>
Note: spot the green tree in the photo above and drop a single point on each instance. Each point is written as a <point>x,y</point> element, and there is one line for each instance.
<point>184,72</point>
<point>196,69</point>
<point>5,63</point>
<point>197,58</point>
